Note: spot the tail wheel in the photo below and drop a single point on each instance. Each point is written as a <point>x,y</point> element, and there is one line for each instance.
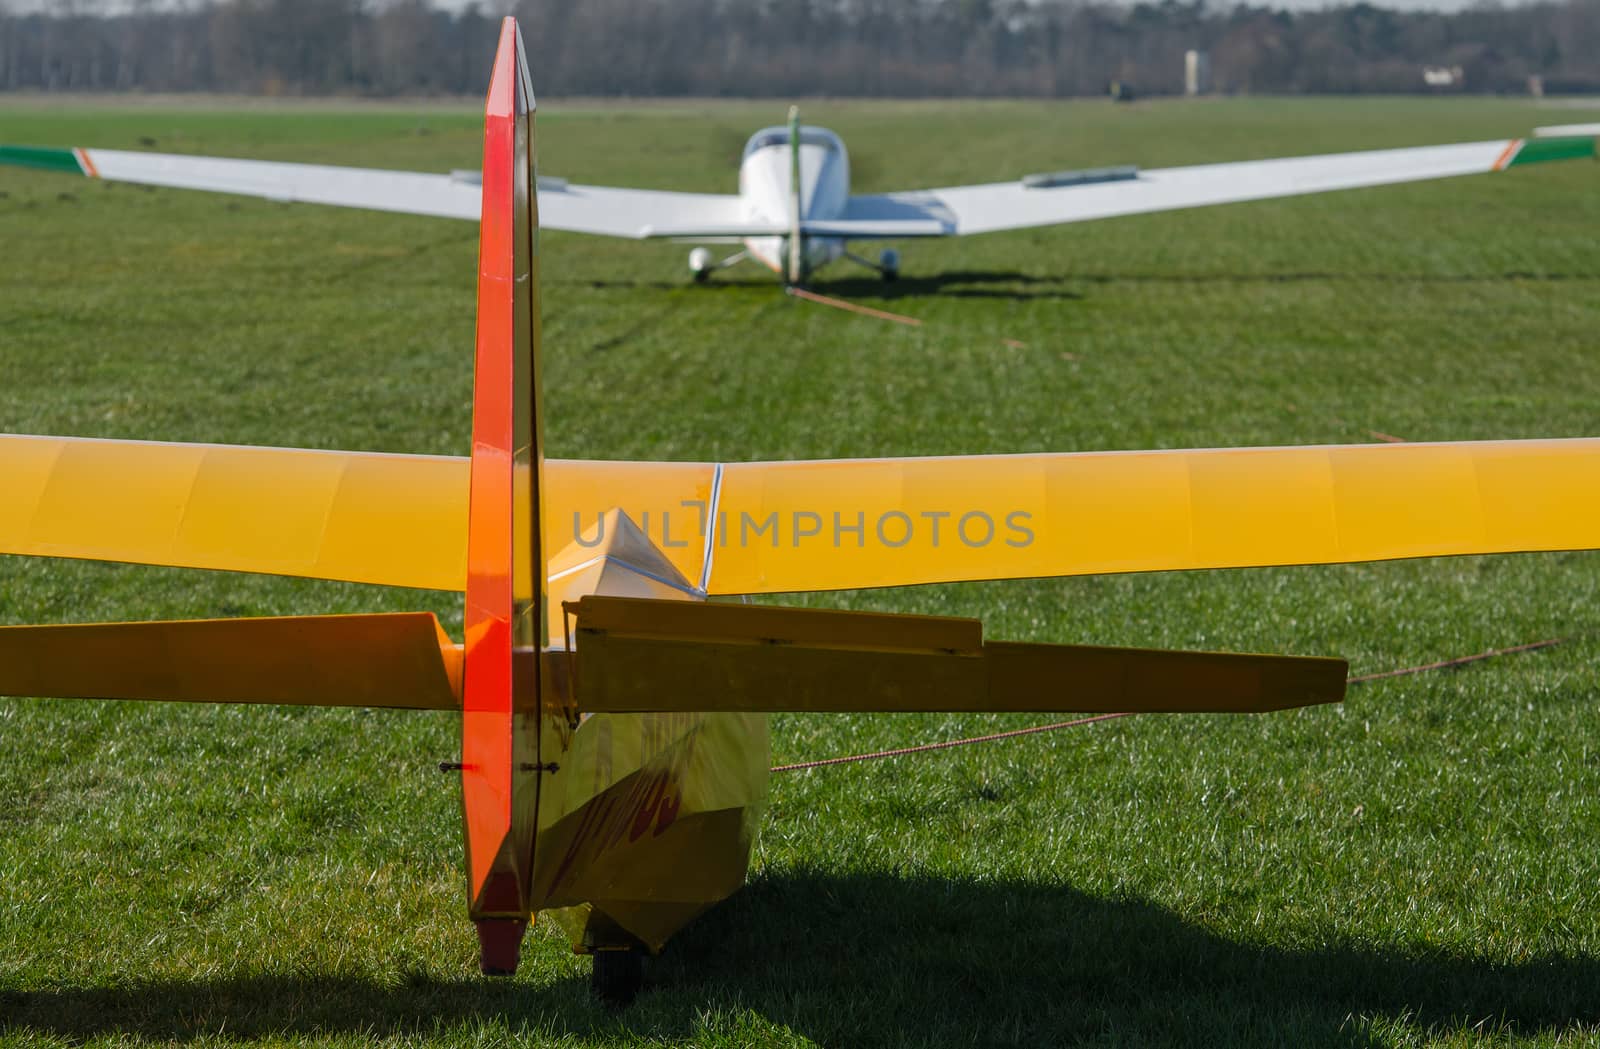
<point>617,976</point>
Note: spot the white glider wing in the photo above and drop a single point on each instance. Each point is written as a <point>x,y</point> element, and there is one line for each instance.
<point>637,213</point>
<point>562,205</point>
<point>1079,196</point>
<point>1037,200</point>
<point>413,193</point>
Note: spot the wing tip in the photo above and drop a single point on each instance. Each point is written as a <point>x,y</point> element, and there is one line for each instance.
<point>71,160</point>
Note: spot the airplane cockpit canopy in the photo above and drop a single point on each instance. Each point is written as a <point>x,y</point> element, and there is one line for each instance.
<point>768,137</point>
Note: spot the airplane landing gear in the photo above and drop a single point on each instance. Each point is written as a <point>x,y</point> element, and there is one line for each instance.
<point>702,265</point>
<point>617,976</point>
<point>888,264</point>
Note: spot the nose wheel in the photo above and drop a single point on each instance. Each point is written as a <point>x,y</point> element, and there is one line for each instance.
<point>617,976</point>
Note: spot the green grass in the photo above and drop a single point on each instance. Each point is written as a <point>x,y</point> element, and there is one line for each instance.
<point>1420,866</point>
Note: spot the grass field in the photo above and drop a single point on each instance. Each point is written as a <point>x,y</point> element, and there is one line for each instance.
<point>1420,866</point>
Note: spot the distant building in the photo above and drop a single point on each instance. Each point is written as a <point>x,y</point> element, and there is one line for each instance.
<point>1196,73</point>
<point>1444,76</point>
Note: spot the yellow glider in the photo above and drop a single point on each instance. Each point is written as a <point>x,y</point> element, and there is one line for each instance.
<point>614,732</point>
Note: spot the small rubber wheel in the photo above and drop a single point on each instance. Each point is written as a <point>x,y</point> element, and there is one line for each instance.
<point>617,976</point>
<point>701,276</point>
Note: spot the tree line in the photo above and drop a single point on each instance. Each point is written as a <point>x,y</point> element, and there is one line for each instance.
<point>788,48</point>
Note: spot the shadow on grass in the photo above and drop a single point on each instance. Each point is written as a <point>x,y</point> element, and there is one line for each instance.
<point>1325,276</point>
<point>879,959</point>
<point>1006,284</point>
<point>954,284</point>
<point>1011,285</point>
<point>960,284</point>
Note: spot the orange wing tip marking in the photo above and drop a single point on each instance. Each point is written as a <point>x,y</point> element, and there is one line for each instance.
<point>638,655</point>
<point>1508,154</point>
<point>86,163</point>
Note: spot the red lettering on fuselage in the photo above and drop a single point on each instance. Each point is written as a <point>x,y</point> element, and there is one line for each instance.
<point>649,803</point>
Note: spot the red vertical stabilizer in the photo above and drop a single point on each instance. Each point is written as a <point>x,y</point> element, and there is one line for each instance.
<point>505,556</point>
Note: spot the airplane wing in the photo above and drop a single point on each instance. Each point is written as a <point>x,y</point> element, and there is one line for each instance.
<point>1079,196</point>
<point>1036,200</point>
<point>1566,130</point>
<point>562,205</point>
<point>634,213</point>
<point>789,527</point>
<point>1019,516</point>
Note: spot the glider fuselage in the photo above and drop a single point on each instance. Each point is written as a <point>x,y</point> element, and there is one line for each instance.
<point>651,817</point>
<point>768,188</point>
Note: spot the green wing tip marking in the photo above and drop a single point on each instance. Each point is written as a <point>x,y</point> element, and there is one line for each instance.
<point>47,158</point>
<point>1569,147</point>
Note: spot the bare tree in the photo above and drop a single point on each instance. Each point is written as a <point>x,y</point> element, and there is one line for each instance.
<point>786,47</point>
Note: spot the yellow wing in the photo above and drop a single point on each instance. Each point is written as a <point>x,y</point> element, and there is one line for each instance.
<point>360,517</point>
<point>400,520</point>
<point>852,524</point>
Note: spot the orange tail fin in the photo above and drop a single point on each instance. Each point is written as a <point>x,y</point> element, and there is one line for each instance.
<point>505,550</point>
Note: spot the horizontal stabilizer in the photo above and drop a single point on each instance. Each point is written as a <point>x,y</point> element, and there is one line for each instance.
<point>636,655</point>
<point>715,231</point>
<point>850,229</point>
<point>392,660</point>
<point>875,229</point>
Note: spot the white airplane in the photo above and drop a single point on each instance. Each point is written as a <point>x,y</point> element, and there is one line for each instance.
<point>794,210</point>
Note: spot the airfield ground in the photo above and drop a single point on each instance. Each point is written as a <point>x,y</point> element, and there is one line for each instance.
<point>1421,866</point>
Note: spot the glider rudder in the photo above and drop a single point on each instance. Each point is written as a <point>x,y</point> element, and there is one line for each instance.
<point>505,559</point>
